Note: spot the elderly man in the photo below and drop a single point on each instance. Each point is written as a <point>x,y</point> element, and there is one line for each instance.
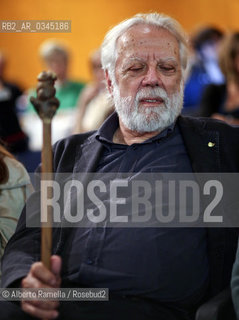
<point>151,273</point>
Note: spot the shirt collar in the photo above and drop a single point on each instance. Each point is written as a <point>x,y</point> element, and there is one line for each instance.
<point>106,131</point>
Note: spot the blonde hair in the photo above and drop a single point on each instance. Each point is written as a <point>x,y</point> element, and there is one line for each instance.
<point>229,49</point>
<point>52,47</point>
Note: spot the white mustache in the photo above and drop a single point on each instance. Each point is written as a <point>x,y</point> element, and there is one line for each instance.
<point>151,93</point>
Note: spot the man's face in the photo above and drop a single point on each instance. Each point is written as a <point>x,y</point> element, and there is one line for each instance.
<point>57,63</point>
<point>148,78</point>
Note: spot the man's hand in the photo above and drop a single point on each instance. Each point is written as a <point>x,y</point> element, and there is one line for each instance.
<point>40,277</point>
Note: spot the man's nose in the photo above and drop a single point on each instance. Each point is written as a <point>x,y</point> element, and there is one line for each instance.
<point>152,78</point>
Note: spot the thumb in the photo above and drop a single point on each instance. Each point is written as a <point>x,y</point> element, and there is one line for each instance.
<point>56,265</point>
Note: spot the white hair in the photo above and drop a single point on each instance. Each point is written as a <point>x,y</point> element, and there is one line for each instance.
<point>109,53</point>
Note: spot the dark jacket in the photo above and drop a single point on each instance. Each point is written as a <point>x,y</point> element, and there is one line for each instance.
<point>80,153</point>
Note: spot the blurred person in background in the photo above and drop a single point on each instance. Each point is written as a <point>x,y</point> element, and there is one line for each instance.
<point>204,68</point>
<point>10,130</point>
<point>15,187</point>
<point>94,106</point>
<point>56,57</point>
<point>222,101</point>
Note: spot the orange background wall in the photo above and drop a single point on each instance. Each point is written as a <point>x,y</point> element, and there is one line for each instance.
<point>90,19</point>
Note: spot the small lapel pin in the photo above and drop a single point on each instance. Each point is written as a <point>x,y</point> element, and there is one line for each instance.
<point>211,144</point>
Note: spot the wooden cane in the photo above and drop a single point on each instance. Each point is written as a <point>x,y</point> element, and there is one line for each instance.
<point>46,105</point>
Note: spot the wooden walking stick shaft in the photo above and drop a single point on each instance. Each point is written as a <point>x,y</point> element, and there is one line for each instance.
<point>46,230</point>
<point>46,105</point>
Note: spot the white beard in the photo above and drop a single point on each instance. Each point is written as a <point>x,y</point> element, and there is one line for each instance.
<point>148,119</point>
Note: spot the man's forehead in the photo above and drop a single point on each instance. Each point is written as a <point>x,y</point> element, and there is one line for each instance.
<point>141,40</point>
<point>143,34</point>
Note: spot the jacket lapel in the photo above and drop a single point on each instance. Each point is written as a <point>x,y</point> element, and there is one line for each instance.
<point>87,157</point>
<point>202,144</point>
<point>203,148</point>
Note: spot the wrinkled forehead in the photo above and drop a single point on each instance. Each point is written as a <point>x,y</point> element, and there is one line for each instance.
<point>142,38</point>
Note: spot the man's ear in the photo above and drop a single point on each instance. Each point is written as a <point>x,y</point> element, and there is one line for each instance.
<point>108,81</point>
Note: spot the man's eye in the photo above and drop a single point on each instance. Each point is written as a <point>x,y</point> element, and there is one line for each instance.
<point>167,68</point>
<point>136,68</point>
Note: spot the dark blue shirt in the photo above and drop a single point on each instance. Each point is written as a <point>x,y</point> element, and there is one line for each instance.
<point>166,264</point>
